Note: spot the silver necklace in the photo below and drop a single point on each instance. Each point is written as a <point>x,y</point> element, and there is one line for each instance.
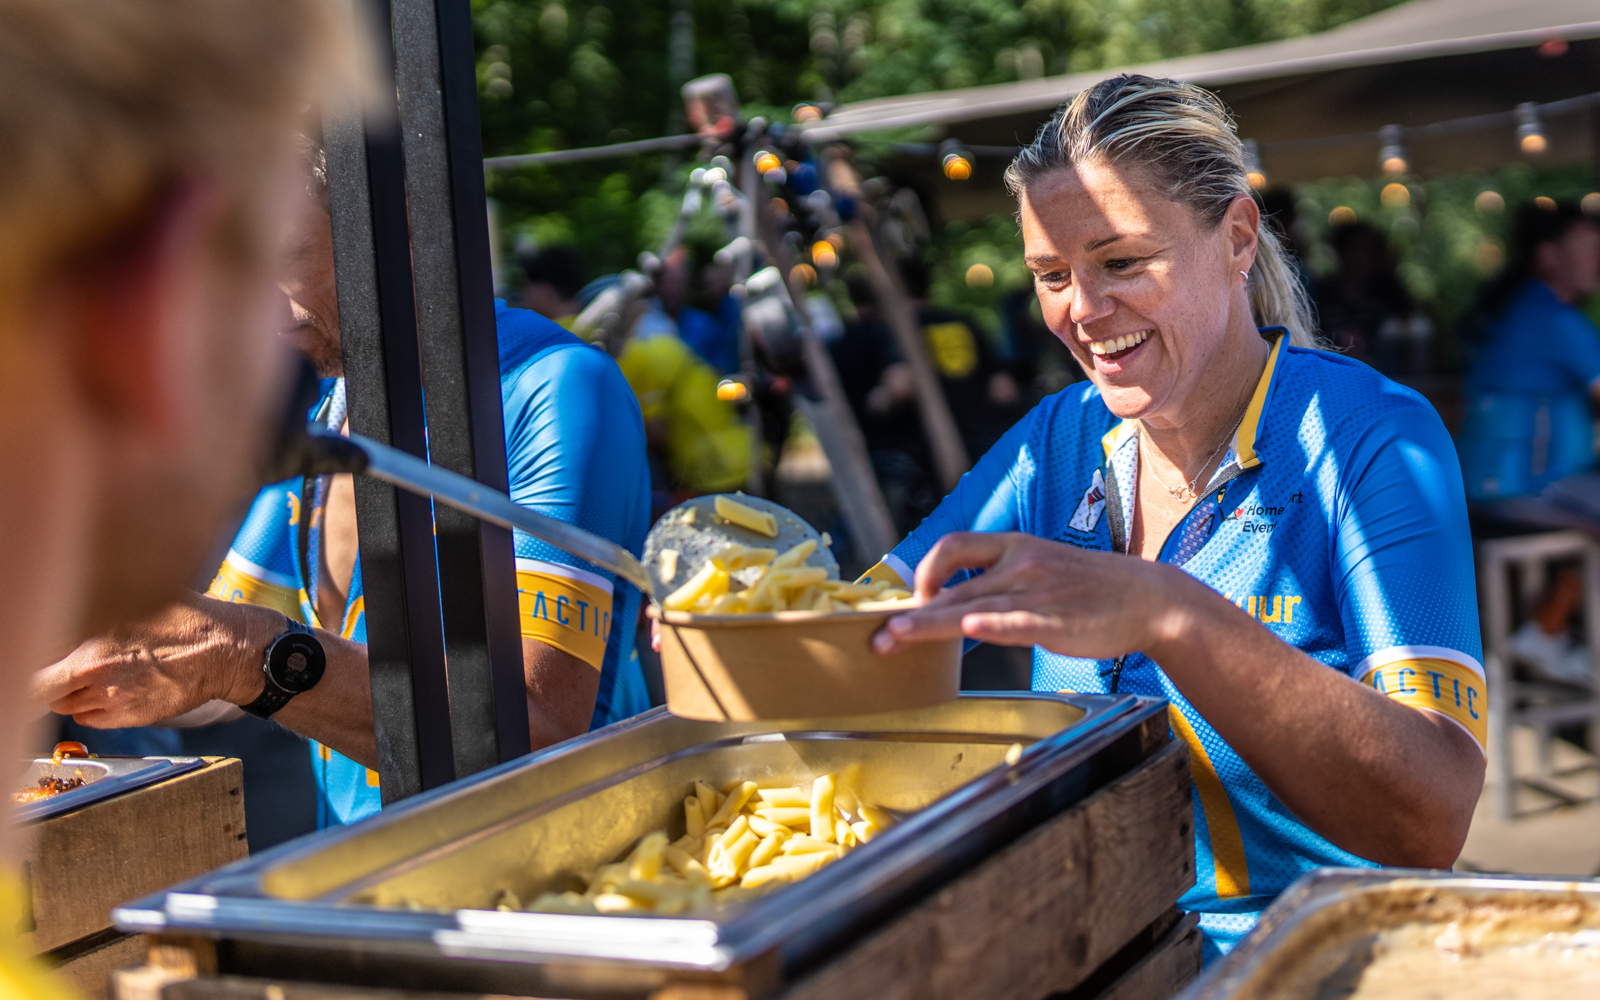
<point>1185,494</point>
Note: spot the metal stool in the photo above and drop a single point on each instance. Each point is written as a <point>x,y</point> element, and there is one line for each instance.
<point>1543,706</point>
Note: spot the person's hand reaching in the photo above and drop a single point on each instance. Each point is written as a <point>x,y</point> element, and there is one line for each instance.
<point>197,651</point>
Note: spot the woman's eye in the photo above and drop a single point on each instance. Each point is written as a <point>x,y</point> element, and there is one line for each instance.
<point>1054,279</point>
<point>1121,263</point>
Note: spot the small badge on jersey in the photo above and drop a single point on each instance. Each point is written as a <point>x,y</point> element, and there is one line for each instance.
<point>1091,506</point>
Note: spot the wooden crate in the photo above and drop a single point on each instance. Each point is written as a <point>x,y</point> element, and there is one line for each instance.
<point>1092,891</point>
<point>80,865</point>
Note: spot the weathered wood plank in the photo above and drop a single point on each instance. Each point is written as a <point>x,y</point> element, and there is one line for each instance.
<point>1171,964</point>
<point>89,971</point>
<point>81,865</point>
<point>1040,916</point>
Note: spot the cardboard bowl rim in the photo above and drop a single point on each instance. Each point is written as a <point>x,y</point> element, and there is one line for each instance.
<point>686,619</point>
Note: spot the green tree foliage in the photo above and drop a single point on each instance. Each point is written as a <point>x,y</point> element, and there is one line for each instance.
<point>1446,239</point>
<point>558,74</point>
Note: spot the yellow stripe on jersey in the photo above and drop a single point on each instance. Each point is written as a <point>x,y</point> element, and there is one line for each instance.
<point>1244,440</point>
<point>562,608</point>
<point>1444,687</point>
<point>1227,843</point>
<point>352,617</point>
<point>1116,435</point>
<point>882,573</point>
<point>235,585</point>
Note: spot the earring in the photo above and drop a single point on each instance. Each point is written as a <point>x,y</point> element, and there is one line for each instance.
<point>1245,275</point>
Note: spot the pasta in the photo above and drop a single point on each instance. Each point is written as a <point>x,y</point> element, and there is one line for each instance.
<point>785,583</point>
<point>759,521</point>
<point>738,842</point>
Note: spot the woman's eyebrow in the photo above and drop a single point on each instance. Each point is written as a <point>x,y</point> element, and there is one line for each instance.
<point>1097,244</point>
<point>1042,258</point>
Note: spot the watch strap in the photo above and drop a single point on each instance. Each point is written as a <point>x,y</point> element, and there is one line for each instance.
<point>272,696</point>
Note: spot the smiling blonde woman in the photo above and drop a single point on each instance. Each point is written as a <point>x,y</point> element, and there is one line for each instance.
<point>1302,592</point>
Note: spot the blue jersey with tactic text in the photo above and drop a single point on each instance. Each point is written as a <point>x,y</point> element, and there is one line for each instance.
<point>1337,520</point>
<point>575,451</point>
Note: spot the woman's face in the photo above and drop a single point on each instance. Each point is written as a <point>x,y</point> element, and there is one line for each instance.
<point>1144,295</point>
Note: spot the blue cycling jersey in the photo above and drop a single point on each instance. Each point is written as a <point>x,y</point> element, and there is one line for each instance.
<point>1528,421</point>
<point>575,451</point>
<point>1337,520</point>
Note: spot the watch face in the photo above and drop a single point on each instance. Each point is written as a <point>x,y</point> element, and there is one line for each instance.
<point>296,662</point>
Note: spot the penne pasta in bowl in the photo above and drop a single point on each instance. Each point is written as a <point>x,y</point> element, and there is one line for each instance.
<point>754,622</point>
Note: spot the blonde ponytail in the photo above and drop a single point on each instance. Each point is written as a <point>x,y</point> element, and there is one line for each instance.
<point>1185,137</point>
<point>1276,296</point>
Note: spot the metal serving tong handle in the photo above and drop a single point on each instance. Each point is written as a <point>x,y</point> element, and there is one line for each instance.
<point>324,454</point>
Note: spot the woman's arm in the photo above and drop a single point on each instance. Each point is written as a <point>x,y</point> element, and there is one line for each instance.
<point>1375,777</point>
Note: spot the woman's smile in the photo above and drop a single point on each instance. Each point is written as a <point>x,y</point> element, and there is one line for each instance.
<point>1111,354</point>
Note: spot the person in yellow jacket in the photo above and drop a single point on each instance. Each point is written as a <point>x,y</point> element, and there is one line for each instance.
<point>148,177</point>
<point>706,445</point>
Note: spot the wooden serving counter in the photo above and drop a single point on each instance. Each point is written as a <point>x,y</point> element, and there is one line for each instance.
<point>1081,907</point>
<point>80,865</point>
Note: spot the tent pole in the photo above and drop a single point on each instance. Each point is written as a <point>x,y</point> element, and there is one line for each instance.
<point>438,105</point>
<point>378,334</point>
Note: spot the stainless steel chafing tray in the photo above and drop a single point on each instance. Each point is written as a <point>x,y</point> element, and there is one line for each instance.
<point>1320,938</point>
<point>333,906</point>
<point>103,778</point>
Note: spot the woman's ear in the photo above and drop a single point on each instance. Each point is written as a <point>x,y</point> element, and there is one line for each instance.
<point>1240,225</point>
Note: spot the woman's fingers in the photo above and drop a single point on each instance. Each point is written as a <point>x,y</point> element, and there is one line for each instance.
<point>958,551</point>
<point>948,619</point>
<point>925,624</point>
<point>1016,627</point>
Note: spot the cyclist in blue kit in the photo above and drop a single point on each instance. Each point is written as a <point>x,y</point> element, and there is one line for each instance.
<point>1303,589</point>
<point>575,450</point>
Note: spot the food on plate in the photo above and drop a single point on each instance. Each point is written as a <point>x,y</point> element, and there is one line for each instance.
<point>685,539</point>
<point>744,515</point>
<point>46,787</point>
<point>738,842</point>
<point>68,749</point>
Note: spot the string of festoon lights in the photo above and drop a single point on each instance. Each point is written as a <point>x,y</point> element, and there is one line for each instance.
<point>956,160</point>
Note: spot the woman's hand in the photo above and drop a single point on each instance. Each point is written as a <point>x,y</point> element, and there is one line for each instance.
<point>1037,592</point>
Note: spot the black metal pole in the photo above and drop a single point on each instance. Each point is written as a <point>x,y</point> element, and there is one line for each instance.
<point>383,380</point>
<point>438,105</point>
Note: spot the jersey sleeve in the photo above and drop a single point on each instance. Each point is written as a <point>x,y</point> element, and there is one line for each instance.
<point>988,498</point>
<point>575,451</point>
<point>261,567</point>
<point>1403,570</point>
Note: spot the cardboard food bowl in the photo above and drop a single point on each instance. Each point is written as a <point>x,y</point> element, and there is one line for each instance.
<point>797,665</point>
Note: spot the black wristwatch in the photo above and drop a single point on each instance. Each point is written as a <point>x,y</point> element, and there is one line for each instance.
<point>293,665</point>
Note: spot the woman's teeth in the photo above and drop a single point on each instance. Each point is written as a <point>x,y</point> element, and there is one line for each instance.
<point>1119,343</point>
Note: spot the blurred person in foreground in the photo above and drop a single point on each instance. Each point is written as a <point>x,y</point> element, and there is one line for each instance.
<point>1527,446</point>
<point>148,176</point>
<point>1270,537</point>
<point>574,452</point>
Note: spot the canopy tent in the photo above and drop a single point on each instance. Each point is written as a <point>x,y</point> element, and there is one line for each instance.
<point>1316,104</point>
